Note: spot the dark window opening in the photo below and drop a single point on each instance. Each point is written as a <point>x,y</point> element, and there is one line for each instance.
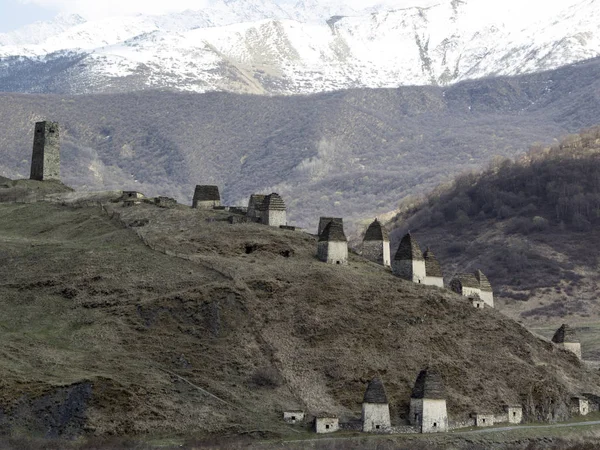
<point>434,424</point>
<point>377,427</point>
<point>514,414</point>
<point>337,262</point>
<point>483,420</point>
<point>293,417</point>
<point>327,427</point>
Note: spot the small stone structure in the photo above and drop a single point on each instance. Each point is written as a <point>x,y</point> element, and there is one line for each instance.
<point>326,423</point>
<point>375,408</point>
<point>477,302</point>
<point>483,420</point>
<point>408,261</point>
<point>332,247</point>
<point>273,211</point>
<point>254,207</point>
<point>473,285</point>
<point>165,202</point>
<point>293,416</point>
<point>580,406</point>
<point>433,270</point>
<point>376,244</point>
<point>514,413</point>
<point>323,221</point>
<point>428,403</point>
<point>566,338</point>
<point>127,195</point>
<point>206,197</point>
<point>45,160</point>
<point>486,293</point>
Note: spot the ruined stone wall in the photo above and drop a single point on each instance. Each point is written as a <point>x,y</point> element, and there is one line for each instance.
<point>434,281</point>
<point>45,159</point>
<point>574,347</point>
<point>429,415</point>
<point>487,297</point>
<point>377,251</point>
<point>375,417</point>
<point>274,218</point>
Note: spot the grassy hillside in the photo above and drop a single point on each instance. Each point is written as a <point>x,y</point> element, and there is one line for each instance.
<point>145,320</point>
<point>353,153</point>
<point>531,225</point>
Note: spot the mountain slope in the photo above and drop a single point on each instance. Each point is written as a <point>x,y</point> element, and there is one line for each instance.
<point>223,326</point>
<point>256,47</point>
<point>530,225</point>
<point>348,154</point>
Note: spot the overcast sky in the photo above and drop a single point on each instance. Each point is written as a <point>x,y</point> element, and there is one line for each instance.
<point>16,13</point>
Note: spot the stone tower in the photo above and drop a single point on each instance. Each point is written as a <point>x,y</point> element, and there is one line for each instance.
<point>473,285</point>
<point>333,245</point>
<point>428,403</point>
<point>45,160</point>
<point>487,295</point>
<point>273,211</point>
<point>408,261</point>
<point>376,244</point>
<point>566,338</point>
<point>206,197</point>
<point>323,221</point>
<point>433,270</point>
<point>255,206</point>
<point>375,408</point>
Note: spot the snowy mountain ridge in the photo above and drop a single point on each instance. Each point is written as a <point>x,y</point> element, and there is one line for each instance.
<point>259,46</point>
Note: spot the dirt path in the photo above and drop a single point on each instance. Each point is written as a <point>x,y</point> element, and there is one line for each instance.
<point>527,427</point>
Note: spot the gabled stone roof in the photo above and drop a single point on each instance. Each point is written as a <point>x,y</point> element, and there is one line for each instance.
<point>432,266</point>
<point>466,280</point>
<point>484,283</point>
<point>323,221</point>
<point>408,249</point>
<point>375,392</point>
<point>565,334</point>
<point>429,384</point>
<point>333,232</point>
<point>376,232</point>
<point>205,193</point>
<point>273,202</point>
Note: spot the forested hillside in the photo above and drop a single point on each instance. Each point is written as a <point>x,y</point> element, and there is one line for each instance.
<point>352,153</point>
<point>530,224</point>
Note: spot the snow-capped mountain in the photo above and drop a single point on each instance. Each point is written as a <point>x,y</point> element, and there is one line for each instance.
<point>260,46</point>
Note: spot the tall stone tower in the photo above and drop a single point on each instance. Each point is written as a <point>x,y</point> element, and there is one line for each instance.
<point>487,294</point>
<point>45,161</point>
<point>376,244</point>
<point>333,245</point>
<point>428,403</point>
<point>375,408</point>
<point>433,270</point>
<point>408,262</point>
<point>206,197</point>
<point>566,338</point>
<point>273,210</point>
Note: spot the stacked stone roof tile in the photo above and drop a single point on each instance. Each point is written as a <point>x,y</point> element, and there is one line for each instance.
<point>323,221</point>
<point>408,249</point>
<point>429,385</point>
<point>273,202</point>
<point>565,334</point>
<point>375,392</point>
<point>484,283</point>
<point>432,266</point>
<point>468,280</point>
<point>206,193</point>
<point>333,232</point>
<point>376,232</point>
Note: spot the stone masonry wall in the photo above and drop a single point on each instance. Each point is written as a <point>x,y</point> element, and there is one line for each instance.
<point>487,297</point>
<point>434,281</point>
<point>45,160</point>
<point>333,252</point>
<point>377,251</point>
<point>375,417</point>
<point>274,218</point>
